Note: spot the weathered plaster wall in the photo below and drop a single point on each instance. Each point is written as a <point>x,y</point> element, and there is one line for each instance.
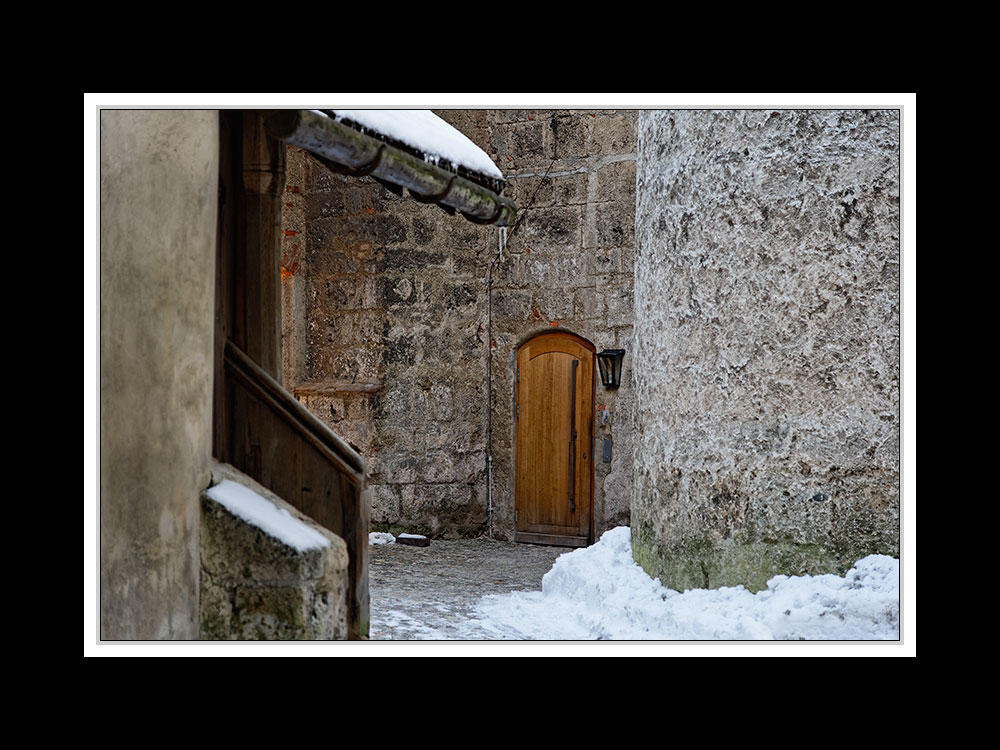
<point>386,311</point>
<point>159,183</point>
<point>767,343</point>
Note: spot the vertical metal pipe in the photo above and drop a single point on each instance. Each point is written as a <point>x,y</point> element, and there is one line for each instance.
<point>501,243</point>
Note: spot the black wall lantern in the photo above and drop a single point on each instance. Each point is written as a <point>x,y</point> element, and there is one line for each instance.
<point>609,362</point>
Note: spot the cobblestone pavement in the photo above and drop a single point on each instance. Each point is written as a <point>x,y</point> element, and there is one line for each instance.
<point>430,593</point>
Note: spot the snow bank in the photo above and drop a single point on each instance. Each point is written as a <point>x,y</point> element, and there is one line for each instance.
<point>257,511</point>
<point>599,592</point>
<point>381,537</point>
<point>424,131</point>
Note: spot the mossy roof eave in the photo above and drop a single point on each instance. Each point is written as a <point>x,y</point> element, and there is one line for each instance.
<point>349,150</point>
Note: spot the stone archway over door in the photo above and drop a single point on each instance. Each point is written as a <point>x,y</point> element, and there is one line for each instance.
<point>554,437</point>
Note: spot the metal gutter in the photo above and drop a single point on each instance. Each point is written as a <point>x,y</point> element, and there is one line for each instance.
<point>346,149</point>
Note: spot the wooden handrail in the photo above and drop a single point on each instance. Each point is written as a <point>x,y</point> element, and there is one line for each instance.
<point>321,437</point>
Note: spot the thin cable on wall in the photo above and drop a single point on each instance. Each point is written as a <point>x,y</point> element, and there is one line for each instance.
<point>503,236</point>
<point>524,212</point>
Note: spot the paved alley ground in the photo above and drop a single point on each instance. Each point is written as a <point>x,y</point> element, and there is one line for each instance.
<point>430,593</point>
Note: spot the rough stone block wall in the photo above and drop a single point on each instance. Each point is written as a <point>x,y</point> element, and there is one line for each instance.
<point>767,343</point>
<point>386,311</point>
<point>385,342</point>
<point>255,587</point>
<point>568,265</point>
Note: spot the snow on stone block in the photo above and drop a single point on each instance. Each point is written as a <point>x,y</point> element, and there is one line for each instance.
<point>246,504</point>
<point>424,131</point>
<point>266,574</point>
<point>381,537</point>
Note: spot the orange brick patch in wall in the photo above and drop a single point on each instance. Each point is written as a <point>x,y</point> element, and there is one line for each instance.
<point>554,323</point>
<point>290,262</point>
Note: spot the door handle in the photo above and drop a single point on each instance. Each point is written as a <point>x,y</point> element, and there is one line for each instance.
<point>572,437</point>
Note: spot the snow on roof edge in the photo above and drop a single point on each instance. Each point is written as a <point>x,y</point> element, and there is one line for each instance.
<point>423,130</point>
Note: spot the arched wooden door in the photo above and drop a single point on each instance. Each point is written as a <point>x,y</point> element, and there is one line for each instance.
<point>554,418</point>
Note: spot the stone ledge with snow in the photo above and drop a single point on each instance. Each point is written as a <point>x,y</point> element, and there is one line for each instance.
<point>267,571</point>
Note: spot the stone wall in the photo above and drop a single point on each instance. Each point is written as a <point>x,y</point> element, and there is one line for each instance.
<point>254,586</point>
<point>767,343</point>
<point>567,266</point>
<point>159,185</point>
<point>388,336</point>
<point>388,311</point>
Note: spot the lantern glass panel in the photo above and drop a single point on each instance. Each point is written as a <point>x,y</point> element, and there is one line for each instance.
<point>605,366</point>
<point>609,362</point>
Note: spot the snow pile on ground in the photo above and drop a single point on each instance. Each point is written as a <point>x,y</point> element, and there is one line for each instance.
<point>381,537</point>
<point>600,593</point>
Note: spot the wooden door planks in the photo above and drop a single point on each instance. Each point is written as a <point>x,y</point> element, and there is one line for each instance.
<point>553,472</point>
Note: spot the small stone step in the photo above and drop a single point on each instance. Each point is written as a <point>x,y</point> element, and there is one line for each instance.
<point>414,540</point>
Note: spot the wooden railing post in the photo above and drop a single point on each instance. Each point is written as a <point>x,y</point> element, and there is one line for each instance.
<point>258,426</point>
<point>264,184</point>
